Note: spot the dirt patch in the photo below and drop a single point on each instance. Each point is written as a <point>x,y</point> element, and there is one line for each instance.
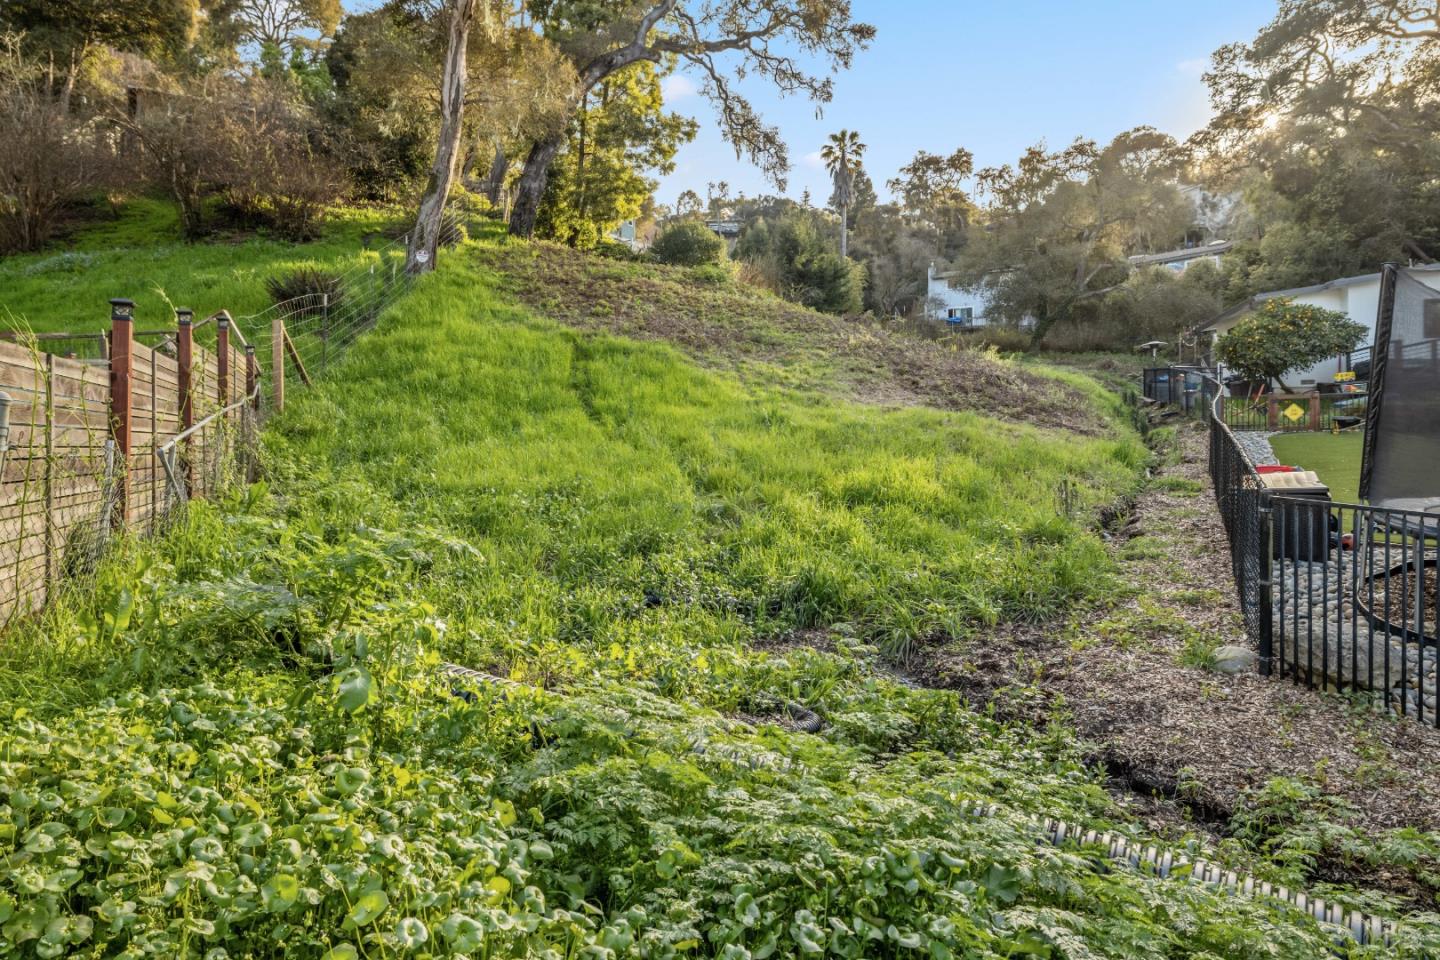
<point>734,327</point>
<point>1122,673</point>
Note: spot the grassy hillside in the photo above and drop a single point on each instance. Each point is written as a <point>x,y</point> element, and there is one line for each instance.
<point>238,740</point>
<point>136,255</point>
<point>731,326</point>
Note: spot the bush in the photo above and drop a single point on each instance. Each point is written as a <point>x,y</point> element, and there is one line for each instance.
<point>713,274</point>
<point>795,258</point>
<point>48,160</point>
<point>1283,336</point>
<point>305,289</point>
<point>248,142</point>
<point>689,245</point>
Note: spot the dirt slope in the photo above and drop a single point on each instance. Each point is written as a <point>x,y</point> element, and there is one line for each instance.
<point>728,325</point>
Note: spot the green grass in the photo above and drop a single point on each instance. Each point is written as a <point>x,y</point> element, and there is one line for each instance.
<point>138,255</point>
<point>236,741</point>
<point>1335,458</point>
<point>587,462</point>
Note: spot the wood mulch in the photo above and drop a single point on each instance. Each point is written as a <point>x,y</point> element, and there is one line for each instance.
<point>1187,732</point>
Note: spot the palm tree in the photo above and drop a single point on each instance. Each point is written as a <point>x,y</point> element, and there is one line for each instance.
<point>842,158</point>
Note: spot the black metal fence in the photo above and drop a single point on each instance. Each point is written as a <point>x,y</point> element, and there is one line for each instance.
<point>1352,600</point>
<point>1335,596</point>
<point>1196,392</point>
<point>1293,413</point>
<point>1238,497</point>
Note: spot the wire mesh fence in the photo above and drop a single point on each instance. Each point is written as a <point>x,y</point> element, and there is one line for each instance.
<point>103,434</point>
<point>1237,488</point>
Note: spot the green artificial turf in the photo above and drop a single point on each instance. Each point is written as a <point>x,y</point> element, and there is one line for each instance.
<point>1336,458</point>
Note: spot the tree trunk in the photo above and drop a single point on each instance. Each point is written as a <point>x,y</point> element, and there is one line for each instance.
<point>531,187</point>
<point>495,183</point>
<point>844,230</point>
<point>425,239</point>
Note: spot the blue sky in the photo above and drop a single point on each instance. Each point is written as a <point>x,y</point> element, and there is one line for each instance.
<point>993,76</point>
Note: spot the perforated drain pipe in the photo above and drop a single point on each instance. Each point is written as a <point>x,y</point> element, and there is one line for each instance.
<point>1166,864</point>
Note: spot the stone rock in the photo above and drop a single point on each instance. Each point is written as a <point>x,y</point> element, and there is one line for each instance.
<point>1234,660</point>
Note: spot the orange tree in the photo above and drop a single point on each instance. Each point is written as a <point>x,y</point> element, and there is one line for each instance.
<point>1283,336</point>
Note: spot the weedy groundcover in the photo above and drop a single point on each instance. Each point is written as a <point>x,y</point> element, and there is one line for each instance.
<point>238,742</point>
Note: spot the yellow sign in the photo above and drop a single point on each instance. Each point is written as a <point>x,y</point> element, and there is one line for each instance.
<point>1294,412</point>
<point>1345,376</point>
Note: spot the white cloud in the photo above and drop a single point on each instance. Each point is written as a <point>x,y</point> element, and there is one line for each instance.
<point>677,86</point>
<point>813,160</point>
<point>1193,68</point>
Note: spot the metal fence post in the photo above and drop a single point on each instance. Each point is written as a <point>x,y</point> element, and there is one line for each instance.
<point>252,376</point>
<point>185,358</point>
<point>122,360</point>
<point>277,361</point>
<point>324,331</point>
<point>1267,595</point>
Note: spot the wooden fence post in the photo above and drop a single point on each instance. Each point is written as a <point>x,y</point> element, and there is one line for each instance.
<point>185,359</point>
<point>122,360</point>
<point>1272,412</point>
<point>1315,411</point>
<point>277,361</point>
<point>222,343</point>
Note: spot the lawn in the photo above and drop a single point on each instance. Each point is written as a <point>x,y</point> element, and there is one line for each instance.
<point>1335,458</point>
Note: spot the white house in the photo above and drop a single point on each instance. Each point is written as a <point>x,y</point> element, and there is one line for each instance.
<point>966,308</point>
<point>1357,297</point>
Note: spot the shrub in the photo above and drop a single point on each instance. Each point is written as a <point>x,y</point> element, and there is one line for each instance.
<point>689,245</point>
<point>48,159</point>
<point>1283,336</point>
<point>713,274</point>
<point>250,143</point>
<point>796,259</point>
<point>305,288</point>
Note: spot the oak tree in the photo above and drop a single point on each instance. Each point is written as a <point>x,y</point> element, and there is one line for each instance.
<point>771,39</point>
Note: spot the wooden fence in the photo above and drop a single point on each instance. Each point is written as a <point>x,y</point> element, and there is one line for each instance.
<point>81,442</point>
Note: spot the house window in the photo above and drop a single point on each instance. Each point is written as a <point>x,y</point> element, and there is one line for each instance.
<point>960,316</point>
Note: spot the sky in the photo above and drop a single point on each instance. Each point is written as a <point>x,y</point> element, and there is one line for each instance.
<point>993,76</point>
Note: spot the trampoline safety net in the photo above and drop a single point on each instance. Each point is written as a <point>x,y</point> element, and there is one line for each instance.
<point>1402,432</point>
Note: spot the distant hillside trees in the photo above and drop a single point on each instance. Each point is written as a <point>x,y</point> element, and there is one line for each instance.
<point>794,257</point>
<point>621,134</point>
<point>772,39</point>
<point>1329,120</point>
<point>1057,228</point>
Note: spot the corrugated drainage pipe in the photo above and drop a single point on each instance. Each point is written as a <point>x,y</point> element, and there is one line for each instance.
<point>1166,864</point>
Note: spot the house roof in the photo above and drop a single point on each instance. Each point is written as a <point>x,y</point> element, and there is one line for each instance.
<point>1181,256</point>
<point>1245,306</point>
